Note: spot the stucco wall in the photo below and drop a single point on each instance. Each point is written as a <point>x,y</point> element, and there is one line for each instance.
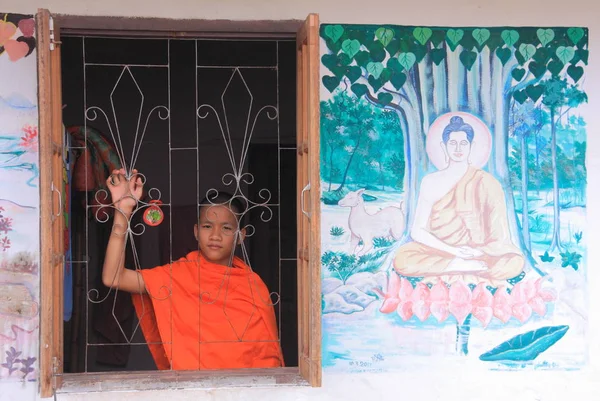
<point>431,382</point>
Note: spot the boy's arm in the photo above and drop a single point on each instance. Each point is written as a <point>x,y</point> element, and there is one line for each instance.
<point>114,273</point>
<point>125,193</point>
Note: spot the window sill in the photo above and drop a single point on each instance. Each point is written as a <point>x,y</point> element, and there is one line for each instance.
<point>155,380</point>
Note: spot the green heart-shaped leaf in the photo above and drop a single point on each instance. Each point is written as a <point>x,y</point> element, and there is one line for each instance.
<point>329,60</point>
<point>351,47</point>
<point>359,89</point>
<point>385,98</point>
<point>481,35</point>
<point>575,34</point>
<point>494,42</point>
<point>537,69</point>
<point>394,65</point>
<point>542,55</point>
<point>362,58</point>
<point>393,47</point>
<point>420,52</point>
<point>555,67</point>
<point>353,73</point>
<point>565,53</point>
<point>468,58</point>
<point>422,35</point>
<point>339,71</point>
<point>575,72</point>
<point>545,36</point>
<point>437,37</point>
<point>407,60</point>
<point>377,51</point>
<point>510,37</point>
<point>331,82</point>
<point>385,35</point>
<point>534,92</point>
<point>344,59</point>
<point>504,55</point>
<point>518,74</point>
<point>520,96</point>
<point>375,69</point>
<point>454,36</point>
<point>376,84</point>
<point>438,55</point>
<point>385,76</point>
<point>583,55</point>
<point>334,32</point>
<point>398,79</point>
<point>527,51</point>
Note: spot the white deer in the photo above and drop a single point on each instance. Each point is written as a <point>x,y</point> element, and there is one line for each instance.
<point>364,226</point>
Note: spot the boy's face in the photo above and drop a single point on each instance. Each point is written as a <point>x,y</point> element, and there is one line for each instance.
<point>216,234</point>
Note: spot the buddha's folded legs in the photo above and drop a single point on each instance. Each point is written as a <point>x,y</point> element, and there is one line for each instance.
<point>416,260</point>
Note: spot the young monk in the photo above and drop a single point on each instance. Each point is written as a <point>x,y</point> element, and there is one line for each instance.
<point>207,310</point>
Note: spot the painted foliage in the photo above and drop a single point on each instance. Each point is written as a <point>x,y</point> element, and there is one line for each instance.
<point>453,179</point>
<point>19,200</point>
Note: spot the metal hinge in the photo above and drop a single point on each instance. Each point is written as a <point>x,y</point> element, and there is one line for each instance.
<point>55,369</point>
<point>53,43</point>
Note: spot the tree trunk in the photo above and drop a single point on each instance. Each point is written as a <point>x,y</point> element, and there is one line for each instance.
<point>425,91</point>
<point>349,163</point>
<point>440,88</point>
<point>486,86</point>
<point>524,191</point>
<point>555,244</point>
<point>474,87</point>
<point>453,78</point>
<point>414,151</point>
<point>498,165</point>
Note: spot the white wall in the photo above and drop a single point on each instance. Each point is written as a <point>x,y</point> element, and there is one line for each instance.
<point>433,383</point>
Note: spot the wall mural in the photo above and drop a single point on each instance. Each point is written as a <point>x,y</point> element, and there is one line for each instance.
<point>19,200</point>
<point>454,197</point>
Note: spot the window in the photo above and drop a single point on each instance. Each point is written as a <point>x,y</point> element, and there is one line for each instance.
<point>52,199</point>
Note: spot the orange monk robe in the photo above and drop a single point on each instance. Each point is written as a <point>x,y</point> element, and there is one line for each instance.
<point>473,214</point>
<point>200,315</point>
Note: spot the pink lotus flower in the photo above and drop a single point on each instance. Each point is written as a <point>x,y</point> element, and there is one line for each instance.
<point>421,302</point>
<point>529,297</point>
<point>502,305</point>
<point>405,294</point>
<point>460,301</point>
<point>526,297</point>
<point>439,298</point>
<point>482,304</point>
<point>390,298</point>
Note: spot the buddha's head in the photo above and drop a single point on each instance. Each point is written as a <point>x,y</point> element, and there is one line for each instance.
<point>457,140</point>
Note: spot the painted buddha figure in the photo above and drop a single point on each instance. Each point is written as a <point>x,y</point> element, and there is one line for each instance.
<point>461,229</point>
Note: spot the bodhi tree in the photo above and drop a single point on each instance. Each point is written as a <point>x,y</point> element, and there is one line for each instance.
<point>422,73</point>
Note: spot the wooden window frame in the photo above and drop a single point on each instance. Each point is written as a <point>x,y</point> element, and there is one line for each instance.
<point>308,372</point>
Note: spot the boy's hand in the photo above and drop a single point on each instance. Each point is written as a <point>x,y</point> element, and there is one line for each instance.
<point>125,193</point>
